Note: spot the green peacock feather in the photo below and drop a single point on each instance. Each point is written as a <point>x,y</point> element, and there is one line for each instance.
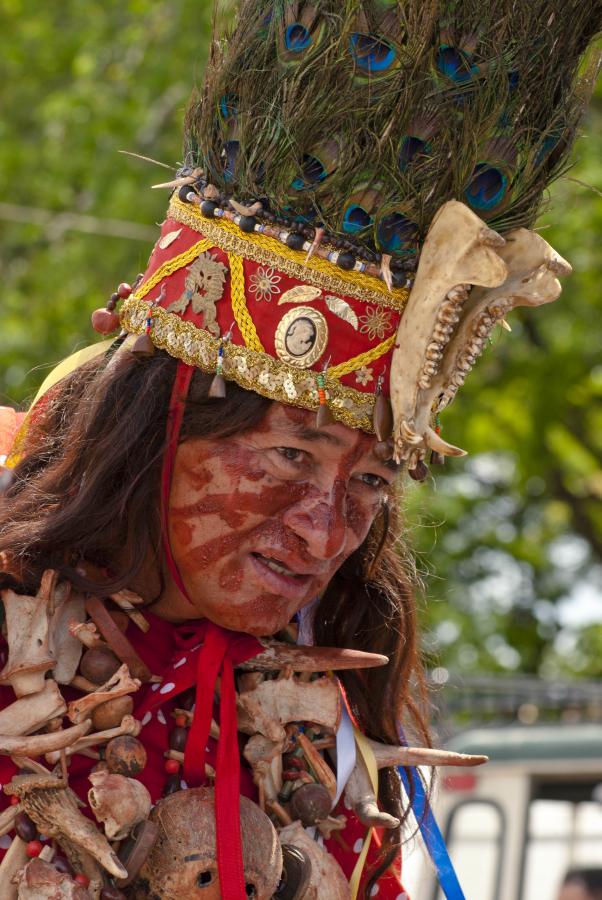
<point>364,116</point>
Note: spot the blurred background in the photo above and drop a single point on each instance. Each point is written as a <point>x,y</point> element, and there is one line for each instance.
<point>508,541</point>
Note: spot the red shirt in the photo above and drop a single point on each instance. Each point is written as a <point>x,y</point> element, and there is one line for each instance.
<point>166,647</point>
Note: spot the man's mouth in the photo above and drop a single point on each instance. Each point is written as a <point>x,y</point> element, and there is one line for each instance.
<point>277,566</point>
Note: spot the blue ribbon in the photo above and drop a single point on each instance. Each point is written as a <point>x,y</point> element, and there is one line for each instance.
<point>435,843</point>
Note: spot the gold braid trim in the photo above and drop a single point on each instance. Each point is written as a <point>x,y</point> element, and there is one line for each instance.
<point>271,252</point>
<point>172,265</point>
<point>239,304</point>
<point>249,368</point>
<point>363,359</point>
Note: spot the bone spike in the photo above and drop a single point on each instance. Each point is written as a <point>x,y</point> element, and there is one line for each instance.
<point>386,755</point>
<point>278,655</point>
<point>435,442</point>
<point>318,238</point>
<point>243,210</point>
<point>385,270</point>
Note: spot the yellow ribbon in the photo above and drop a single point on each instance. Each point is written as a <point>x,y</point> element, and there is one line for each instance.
<point>367,755</point>
<point>64,368</point>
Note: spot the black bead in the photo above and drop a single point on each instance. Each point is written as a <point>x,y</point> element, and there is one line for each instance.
<point>247,223</point>
<point>208,208</point>
<point>295,241</point>
<point>177,739</point>
<point>172,784</point>
<point>183,192</point>
<point>267,215</point>
<point>346,260</point>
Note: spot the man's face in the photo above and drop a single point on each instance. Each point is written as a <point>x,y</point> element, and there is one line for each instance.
<point>261,521</point>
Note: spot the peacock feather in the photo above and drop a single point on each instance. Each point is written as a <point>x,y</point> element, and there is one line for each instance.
<point>365,116</point>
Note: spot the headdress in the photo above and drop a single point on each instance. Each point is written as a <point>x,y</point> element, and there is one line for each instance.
<point>351,220</point>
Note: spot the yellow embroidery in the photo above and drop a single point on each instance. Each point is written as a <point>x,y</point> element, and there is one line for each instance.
<point>172,265</point>
<point>364,359</point>
<point>269,251</point>
<point>251,369</point>
<point>239,304</point>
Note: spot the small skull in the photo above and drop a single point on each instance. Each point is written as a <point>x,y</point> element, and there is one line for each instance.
<point>183,861</point>
<point>118,802</point>
<point>39,880</point>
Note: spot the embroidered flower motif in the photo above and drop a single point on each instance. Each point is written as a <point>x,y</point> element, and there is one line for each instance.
<point>364,375</point>
<point>264,284</point>
<point>375,322</point>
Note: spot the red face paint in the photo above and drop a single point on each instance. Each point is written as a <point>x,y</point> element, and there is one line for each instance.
<point>261,521</point>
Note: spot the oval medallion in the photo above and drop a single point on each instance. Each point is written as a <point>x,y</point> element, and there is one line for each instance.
<point>301,336</point>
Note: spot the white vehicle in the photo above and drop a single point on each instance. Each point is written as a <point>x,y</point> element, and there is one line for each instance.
<point>514,826</point>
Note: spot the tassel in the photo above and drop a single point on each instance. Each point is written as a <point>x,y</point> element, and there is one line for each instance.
<point>324,416</point>
<point>382,418</point>
<point>217,389</point>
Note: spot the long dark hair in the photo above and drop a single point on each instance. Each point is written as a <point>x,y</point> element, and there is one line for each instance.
<point>87,489</point>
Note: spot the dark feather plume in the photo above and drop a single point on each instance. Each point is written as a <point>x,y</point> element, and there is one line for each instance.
<point>366,115</point>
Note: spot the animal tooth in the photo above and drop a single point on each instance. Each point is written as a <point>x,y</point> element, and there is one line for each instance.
<point>424,382</point>
<point>435,442</point>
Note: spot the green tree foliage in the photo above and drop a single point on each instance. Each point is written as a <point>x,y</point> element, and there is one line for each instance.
<point>506,536</point>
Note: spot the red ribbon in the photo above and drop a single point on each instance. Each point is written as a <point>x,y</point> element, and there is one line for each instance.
<point>220,652</point>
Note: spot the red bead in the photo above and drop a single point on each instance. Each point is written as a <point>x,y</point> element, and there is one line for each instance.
<point>181,721</point>
<point>172,766</point>
<point>124,290</point>
<point>14,800</point>
<point>34,848</point>
<point>104,321</point>
<point>82,879</point>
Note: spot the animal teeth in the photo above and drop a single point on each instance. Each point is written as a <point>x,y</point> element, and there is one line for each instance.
<point>424,382</point>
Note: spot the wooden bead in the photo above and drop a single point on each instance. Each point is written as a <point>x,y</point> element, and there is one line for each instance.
<point>382,418</point>
<point>419,472</point>
<point>104,321</point>
<point>177,739</point>
<point>25,828</point>
<point>110,713</point>
<point>98,665</point>
<point>172,785</point>
<point>310,803</point>
<point>124,290</point>
<point>125,755</point>
<point>121,619</point>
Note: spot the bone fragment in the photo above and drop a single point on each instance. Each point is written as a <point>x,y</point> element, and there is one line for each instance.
<point>38,744</point>
<point>318,238</point>
<point>33,711</point>
<point>7,818</point>
<point>322,770</point>
<point>278,655</point>
<point>63,645</point>
<point>87,634</point>
<point>53,808</point>
<point>127,601</point>
<point>118,802</point>
<point>273,704</point>
<point>265,759</point>
<point>422,756</point>
<point>360,796</point>
<point>244,210</point>
<point>118,685</point>
<point>39,880</point>
<point>14,860</point>
<point>129,725</point>
<point>27,636</point>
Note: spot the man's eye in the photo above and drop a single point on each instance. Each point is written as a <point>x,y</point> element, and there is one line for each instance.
<point>373,481</point>
<point>290,453</point>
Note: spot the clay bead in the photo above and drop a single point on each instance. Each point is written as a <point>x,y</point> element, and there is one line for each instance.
<point>98,665</point>
<point>310,803</point>
<point>110,713</point>
<point>125,755</point>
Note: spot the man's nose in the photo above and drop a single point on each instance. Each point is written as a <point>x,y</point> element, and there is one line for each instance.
<point>321,522</point>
